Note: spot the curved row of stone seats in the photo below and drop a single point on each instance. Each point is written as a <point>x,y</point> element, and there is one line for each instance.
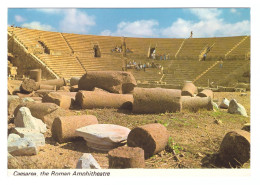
<point>106,63</point>
<point>223,45</point>
<point>63,66</point>
<point>241,50</point>
<point>30,38</point>
<point>85,43</point>
<point>218,74</point>
<point>184,70</point>
<point>193,47</point>
<point>150,75</point>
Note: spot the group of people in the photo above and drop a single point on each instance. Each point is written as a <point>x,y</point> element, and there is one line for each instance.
<point>139,66</point>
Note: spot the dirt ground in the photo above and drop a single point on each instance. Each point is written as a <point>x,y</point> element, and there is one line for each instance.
<point>195,138</point>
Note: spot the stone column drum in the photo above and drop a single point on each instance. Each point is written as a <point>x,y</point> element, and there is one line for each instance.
<point>126,157</point>
<point>36,75</point>
<point>156,100</point>
<point>152,138</point>
<point>112,81</point>
<point>95,99</point>
<point>196,103</point>
<point>206,93</point>
<point>235,148</point>
<point>58,82</point>
<point>63,128</point>
<point>189,89</point>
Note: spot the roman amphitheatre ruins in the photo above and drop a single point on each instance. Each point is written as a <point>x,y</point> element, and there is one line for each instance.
<point>90,101</point>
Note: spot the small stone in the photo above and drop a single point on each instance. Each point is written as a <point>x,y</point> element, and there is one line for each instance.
<point>25,119</point>
<point>215,106</point>
<point>224,104</point>
<point>236,108</point>
<point>243,94</point>
<point>200,155</point>
<point>31,134</point>
<point>218,121</point>
<point>21,147</point>
<point>87,161</point>
<point>246,127</point>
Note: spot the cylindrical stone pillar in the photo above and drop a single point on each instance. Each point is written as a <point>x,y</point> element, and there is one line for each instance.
<point>93,99</point>
<point>126,157</point>
<point>74,81</point>
<point>235,148</point>
<point>189,89</point>
<point>63,101</point>
<point>36,75</point>
<point>58,82</point>
<point>152,138</point>
<point>28,86</point>
<point>112,81</point>
<point>63,128</point>
<point>196,103</point>
<point>206,93</point>
<point>156,100</point>
<point>47,87</point>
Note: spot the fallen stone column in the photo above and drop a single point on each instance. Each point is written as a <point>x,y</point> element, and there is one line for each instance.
<point>57,82</point>
<point>152,138</point>
<point>28,86</point>
<point>36,75</point>
<point>235,148</point>
<point>91,100</point>
<point>196,103</point>
<point>63,128</point>
<point>43,92</point>
<point>111,81</point>
<point>156,100</point>
<point>189,89</point>
<point>63,101</point>
<point>206,93</point>
<point>47,87</point>
<point>126,157</point>
<point>74,81</point>
<point>47,112</point>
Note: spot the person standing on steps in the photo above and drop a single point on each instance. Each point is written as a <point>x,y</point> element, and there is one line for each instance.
<point>221,63</point>
<point>191,34</point>
<point>204,57</point>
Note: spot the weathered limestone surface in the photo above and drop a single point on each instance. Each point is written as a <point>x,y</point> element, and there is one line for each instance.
<point>196,103</point>
<point>235,148</point>
<point>111,81</point>
<point>63,101</point>
<point>236,108</point>
<point>189,89</point>
<point>126,157</point>
<point>103,137</point>
<point>87,161</point>
<point>156,100</point>
<point>25,119</point>
<point>63,128</point>
<point>152,138</point>
<point>98,99</point>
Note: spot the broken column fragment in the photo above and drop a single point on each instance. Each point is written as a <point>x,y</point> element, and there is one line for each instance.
<point>57,82</point>
<point>63,101</point>
<point>126,157</point>
<point>189,89</point>
<point>156,100</point>
<point>196,103</point>
<point>36,75</point>
<point>28,86</point>
<point>206,93</point>
<point>152,138</point>
<point>63,128</point>
<point>235,148</point>
<point>94,99</point>
<point>111,81</point>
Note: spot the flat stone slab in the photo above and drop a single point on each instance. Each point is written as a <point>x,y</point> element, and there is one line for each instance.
<point>103,136</point>
<point>31,134</point>
<point>22,146</point>
<point>224,103</point>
